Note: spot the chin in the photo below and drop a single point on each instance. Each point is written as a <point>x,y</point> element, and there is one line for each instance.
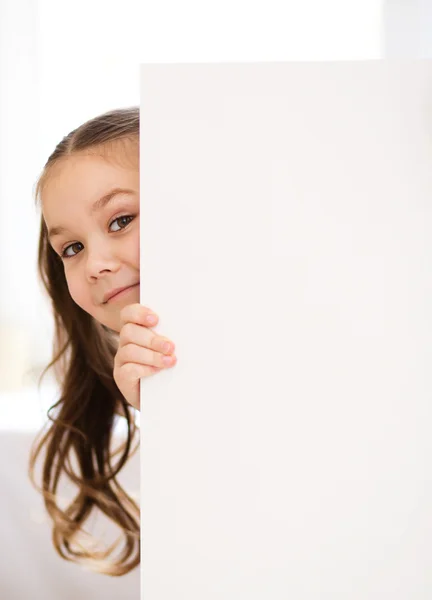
<point>112,323</point>
<point>114,327</point>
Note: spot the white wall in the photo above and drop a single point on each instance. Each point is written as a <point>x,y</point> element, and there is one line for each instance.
<point>18,152</point>
<point>406,31</point>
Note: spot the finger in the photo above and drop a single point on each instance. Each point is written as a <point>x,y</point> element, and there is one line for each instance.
<point>131,333</point>
<point>137,313</point>
<point>132,373</point>
<point>131,353</point>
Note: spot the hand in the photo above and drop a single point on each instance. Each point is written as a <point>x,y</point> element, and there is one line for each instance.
<point>140,352</point>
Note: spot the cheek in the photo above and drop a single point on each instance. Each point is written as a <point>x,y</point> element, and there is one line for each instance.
<point>78,291</point>
<point>134,249</point>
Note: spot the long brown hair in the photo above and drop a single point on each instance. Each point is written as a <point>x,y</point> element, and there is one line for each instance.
<point>82,420</point>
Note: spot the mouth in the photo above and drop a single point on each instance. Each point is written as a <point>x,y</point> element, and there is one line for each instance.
<point>119,293</point>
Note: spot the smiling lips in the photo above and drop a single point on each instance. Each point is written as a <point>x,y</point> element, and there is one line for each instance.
<point>112,293</point>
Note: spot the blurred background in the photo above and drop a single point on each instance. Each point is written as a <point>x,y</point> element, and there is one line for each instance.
<point>50,83</point>
<point>60,65</point>
<point>63,63</point>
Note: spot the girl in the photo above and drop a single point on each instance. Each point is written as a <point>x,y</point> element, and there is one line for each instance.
<point>88,262</point>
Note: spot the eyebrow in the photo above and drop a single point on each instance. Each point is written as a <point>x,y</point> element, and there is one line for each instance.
<point>96,207</point>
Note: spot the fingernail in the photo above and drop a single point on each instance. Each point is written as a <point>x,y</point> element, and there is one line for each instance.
<point>151,319</point>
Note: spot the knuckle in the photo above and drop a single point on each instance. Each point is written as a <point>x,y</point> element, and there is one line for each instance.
<point>124,313</point>
<point>129,352</point>
<point>127,331</point>
<point>130,370</point>
<point>130,312</point>
<point>154,342</point>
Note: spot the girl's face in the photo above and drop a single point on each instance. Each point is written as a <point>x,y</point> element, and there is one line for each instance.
<point>91,209</point>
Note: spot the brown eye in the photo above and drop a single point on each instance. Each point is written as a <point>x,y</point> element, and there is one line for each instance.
<point>122,221</point>
<point>64,255</point>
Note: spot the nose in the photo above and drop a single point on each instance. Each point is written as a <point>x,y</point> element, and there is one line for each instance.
<point>100,259</point>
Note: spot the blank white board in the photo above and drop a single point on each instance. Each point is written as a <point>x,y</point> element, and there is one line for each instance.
<point>286,246</point>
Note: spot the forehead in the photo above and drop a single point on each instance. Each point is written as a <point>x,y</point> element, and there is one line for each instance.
<point>83,178</point>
